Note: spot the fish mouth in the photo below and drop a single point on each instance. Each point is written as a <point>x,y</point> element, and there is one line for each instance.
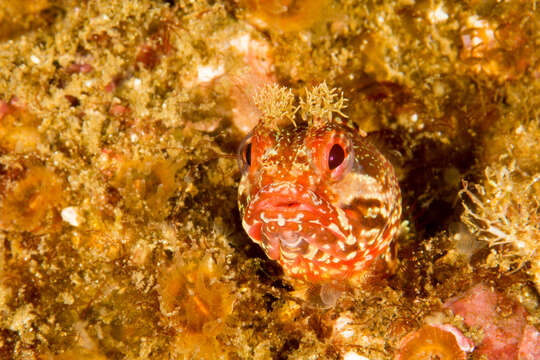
<point>291,221</point>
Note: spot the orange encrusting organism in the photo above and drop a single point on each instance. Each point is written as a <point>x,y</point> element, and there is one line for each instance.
<point>33,202</point>
<point>286,15</point>
<point>430,342</point>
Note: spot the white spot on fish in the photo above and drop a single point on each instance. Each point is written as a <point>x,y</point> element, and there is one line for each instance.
<point>280,220</point>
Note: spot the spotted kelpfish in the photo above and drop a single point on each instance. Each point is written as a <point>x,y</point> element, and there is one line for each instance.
<point>318,198</point>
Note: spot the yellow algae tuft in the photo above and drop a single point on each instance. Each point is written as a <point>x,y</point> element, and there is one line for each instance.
<point>503,207</point>
<point>118,198</point>
<point>504,212</point>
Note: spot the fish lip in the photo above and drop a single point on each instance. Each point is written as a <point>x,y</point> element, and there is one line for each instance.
<point>279,218</point>
<point>292,203</point>
<point>284,204</point>
<point>288,199</point>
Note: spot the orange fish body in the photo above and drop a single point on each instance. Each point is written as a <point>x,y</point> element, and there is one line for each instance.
<point>318,198</point>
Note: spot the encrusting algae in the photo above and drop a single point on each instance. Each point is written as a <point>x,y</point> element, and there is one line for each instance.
<point>120,236</point>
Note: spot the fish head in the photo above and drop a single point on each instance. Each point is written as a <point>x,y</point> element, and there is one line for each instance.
<point>317,197</point>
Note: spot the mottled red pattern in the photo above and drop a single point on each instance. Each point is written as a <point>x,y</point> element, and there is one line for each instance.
<point>503,322</point>
<point>322,219</point>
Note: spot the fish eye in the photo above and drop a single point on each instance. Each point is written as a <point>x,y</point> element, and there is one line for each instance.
<point>247,154</point>
<point>244,153</point>
<point>335,156</point>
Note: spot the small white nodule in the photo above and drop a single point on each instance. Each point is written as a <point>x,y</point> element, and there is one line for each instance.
<point>71,215</point>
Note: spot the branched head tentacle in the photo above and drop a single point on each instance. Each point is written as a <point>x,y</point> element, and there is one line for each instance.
<point>318,106</point>
<point>321,103</point>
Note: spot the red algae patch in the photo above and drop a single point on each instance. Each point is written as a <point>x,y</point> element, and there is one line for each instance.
<point>434,342</point>
<point>529,347</point>
<point>502,321</point>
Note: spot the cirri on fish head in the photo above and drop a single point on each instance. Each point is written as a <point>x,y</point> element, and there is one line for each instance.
<point>318,198</point>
